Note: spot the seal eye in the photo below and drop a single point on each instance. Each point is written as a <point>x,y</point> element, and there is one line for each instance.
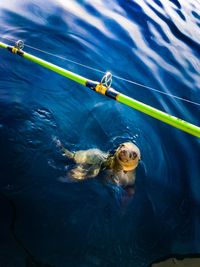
<point>133,155</point>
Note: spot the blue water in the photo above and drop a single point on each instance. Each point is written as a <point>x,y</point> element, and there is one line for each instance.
<point>156,43</point>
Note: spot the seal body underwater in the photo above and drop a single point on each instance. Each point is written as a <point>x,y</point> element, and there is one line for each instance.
<point>119,166</point>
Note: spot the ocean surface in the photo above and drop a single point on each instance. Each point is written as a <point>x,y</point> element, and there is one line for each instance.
<point>45,221</point>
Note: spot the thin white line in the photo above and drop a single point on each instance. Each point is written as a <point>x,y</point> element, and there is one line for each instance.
<point>156,90</point>
<point>117,77</point>
<point>72,61</point>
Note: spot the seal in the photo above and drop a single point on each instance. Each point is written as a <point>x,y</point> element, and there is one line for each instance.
<point>119,166</point>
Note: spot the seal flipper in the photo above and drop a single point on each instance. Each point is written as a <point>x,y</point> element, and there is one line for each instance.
<point>68,154</point>
<point>79,172</point>
<point>84,171</point>
<point>65,152</point>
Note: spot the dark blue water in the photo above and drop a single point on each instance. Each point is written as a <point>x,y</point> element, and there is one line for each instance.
<point>156,43</point>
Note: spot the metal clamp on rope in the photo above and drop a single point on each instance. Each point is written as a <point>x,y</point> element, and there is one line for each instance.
<point>105,83</point>
<point>107,80</point>
<point>17,48</point>
<point>19,45</point>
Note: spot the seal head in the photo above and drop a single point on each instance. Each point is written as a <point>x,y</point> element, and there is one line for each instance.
<point>127,156</point>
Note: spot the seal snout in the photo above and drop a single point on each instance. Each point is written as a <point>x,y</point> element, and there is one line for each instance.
<point>124,155</point>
